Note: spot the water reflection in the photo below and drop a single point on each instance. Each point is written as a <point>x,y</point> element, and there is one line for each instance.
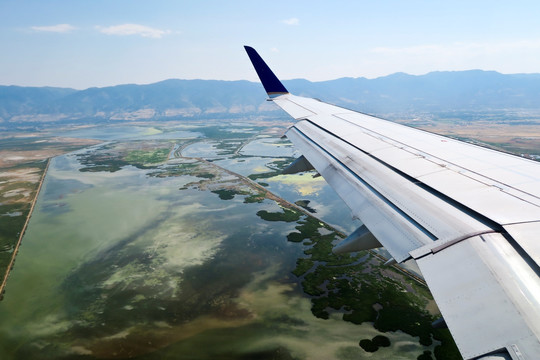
<point>125,264</point>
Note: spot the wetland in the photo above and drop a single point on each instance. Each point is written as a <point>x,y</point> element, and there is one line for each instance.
<point>186,242</point>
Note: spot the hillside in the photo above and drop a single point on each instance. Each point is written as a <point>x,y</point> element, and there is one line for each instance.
<point>436,92</point>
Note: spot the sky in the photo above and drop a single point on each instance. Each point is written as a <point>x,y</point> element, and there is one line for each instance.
<point>97,43</point>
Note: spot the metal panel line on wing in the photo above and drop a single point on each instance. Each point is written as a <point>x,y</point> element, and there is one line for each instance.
<point>364,204</point>
<point>408,145</point>
<point>480,176</point>
<point>503,185</point>
<point>374,191</point>
<point>462,182</point>
<point>459,206</point>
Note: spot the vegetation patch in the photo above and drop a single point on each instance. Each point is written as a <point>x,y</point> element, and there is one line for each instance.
<point>288,215</point>
<point>426,355</point>
<point>375,343</point>
<point>113,157</point>
<point>276,167</point>
<point>146,157</point>
<point>352,284</point>
<point>255,198</point>
<point>381,341</point>
<point>226,194</point>
<point>102,164</point>
<point>307,228</point>
<point>228,147</point>
<point>206,175</point>
<point>305,204</point>
<point>280,164</point>
<point>295,237</point>
<point>265,175</point>
<point>368,345</point>
<point>447,349</point>
<point>12,219</point>
<point>302,266</point>
<point>103,167</point>
<point>192,168</point>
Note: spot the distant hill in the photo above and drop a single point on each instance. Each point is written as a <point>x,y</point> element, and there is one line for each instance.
<point>176,99</point>
<point>26,106</point>
<point>436,91</point>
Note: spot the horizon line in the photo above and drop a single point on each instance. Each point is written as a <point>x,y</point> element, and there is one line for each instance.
<point>257,81</point>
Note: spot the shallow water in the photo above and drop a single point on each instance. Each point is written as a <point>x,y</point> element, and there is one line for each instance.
<point>122,132</point>
<point>268,146</point>
<point>128,237</point>
<point>127,265</point>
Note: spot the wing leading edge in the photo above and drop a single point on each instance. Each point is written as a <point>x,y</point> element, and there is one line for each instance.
<point>468,215</point>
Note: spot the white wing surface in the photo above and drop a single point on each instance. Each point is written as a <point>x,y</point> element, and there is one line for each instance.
<point>468,215</point>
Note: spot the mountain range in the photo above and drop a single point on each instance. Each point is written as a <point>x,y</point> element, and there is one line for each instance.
<point>176,99</point>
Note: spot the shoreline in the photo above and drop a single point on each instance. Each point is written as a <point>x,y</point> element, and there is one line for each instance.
<point>23,230</point>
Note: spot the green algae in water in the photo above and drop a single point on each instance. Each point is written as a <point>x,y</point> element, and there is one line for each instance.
<point>122,280</point>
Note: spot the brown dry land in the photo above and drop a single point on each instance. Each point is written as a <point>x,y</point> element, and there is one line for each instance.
<point>518,139</point>
<point>23,163</point>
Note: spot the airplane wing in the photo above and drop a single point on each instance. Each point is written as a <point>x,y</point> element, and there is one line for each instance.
<point>469,216</point>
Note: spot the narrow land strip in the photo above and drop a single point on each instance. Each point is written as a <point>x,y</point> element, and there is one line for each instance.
<point>23,230</point>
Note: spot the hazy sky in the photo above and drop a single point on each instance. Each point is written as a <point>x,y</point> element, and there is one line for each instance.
<point>85,43</point>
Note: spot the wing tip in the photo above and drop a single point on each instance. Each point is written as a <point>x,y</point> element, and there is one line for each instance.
<point>269,80</point>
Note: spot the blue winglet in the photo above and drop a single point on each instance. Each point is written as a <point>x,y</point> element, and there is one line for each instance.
<point>271,83</point>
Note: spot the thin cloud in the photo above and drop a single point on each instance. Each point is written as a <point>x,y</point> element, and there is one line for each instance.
<point>502,56</point>
<point>291,21</point>
<point>134,29</point>
<point>460,47</point>
<point>60,28</point>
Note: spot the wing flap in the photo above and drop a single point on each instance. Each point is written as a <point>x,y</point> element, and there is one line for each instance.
<point>483,287</point>
<point>527,235</point>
